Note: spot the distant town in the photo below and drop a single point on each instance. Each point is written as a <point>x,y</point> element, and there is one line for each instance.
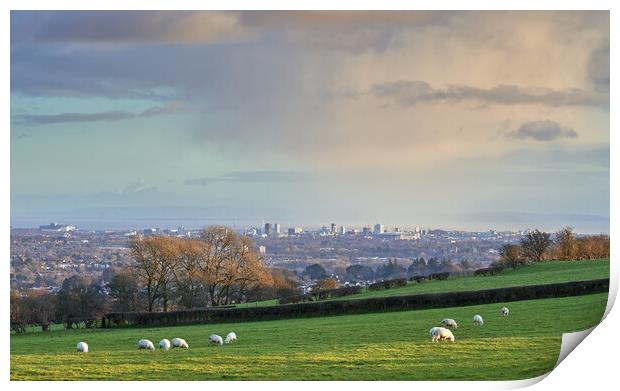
<point>41,258</point>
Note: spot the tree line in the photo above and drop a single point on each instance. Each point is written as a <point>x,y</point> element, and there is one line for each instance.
<point>218,268</point>
<point>390,270</point>
<point>537,246</point>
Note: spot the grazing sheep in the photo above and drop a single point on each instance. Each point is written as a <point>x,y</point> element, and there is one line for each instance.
<point>440,334</point>
<point>231,337</point>
<point>82,347</point>
<point>179,343</point>
<point>164,344</point>
<point>216,340</point>
<point>478,320</point>
<point>450,323</point>
<point>504,311</point>
<point>145,344</point>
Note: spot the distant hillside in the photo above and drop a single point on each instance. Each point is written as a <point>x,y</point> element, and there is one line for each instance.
<point>534,274</point>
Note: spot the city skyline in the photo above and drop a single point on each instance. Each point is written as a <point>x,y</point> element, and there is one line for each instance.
<point>464,120</point>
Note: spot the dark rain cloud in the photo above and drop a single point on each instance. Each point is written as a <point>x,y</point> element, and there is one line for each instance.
<point>542,131</point>
<point>116,115</point>
<point>124,26</point>
<point>598,68</point>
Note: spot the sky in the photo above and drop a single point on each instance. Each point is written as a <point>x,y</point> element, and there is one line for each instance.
<point>456,120</point>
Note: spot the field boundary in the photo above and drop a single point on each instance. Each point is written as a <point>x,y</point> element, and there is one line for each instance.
<point>356,306</point>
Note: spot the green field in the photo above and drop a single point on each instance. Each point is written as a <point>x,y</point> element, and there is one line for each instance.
<point>380,346</point>
<point>537,273</point>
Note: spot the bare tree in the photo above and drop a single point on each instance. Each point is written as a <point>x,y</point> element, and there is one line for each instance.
<point>156,258</point>
<point>229,264</point>
<point>191,287</point>
<point>42,308</point>
<point>535,245</point>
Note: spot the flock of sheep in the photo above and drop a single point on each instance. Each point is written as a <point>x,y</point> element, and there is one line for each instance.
<point>166,344</point>
<point>443,333</point>
<point>437,334</point>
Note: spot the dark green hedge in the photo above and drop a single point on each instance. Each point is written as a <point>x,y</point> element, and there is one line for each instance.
<point>388,284</point>
<point>342,307</point>
<point>321,295</point>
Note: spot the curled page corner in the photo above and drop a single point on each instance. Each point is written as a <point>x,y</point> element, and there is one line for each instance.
<point>570,342</point>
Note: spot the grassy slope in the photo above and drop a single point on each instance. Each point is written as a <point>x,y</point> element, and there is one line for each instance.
<point>382,346</point>
<point>534,274</point>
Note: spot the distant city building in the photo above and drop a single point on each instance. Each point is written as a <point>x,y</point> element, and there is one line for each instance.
<point>277,228</point>
<point>262,249</point>
<point>295,231</point>
<point>397,236</point>
<point>333,228</point>
<point>267,230</point>
<point>379,229</point>
<point>57,227</point>
<point>150,231</point>
<point>366,230</point>
<point>343,230</point>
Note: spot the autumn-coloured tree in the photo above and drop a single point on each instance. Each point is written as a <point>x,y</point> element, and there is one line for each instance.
<point>325,284</point>
<point>511,256</point>
<point>229,265</point>
<point>593,247</point>
<point>565,244</point>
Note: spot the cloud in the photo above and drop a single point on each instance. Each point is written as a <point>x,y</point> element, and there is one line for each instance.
<point>251,176</point>
<point>411,92</point>
<point>117,115</point>
<point>598,68</point>
<point>179,27</point>
<point>542,131</point>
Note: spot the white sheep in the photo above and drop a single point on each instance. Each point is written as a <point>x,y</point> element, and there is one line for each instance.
<point>145,344</point>
<point>82,347</point>
<point>216,339</point>
<point>231,337</point>
<point>478,320</point>
<point>164,344</point>
<point>450,323</point>
<point>179,343</point>
<point>440,334</point>
<point>504,311</point>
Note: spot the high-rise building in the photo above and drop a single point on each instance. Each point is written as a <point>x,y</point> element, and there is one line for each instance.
<point>333,228</point>
<point>295,230</point>
<point>343,230</point>
<point>379,229</point>
<point>267,229</point>
<point>277,228</point>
